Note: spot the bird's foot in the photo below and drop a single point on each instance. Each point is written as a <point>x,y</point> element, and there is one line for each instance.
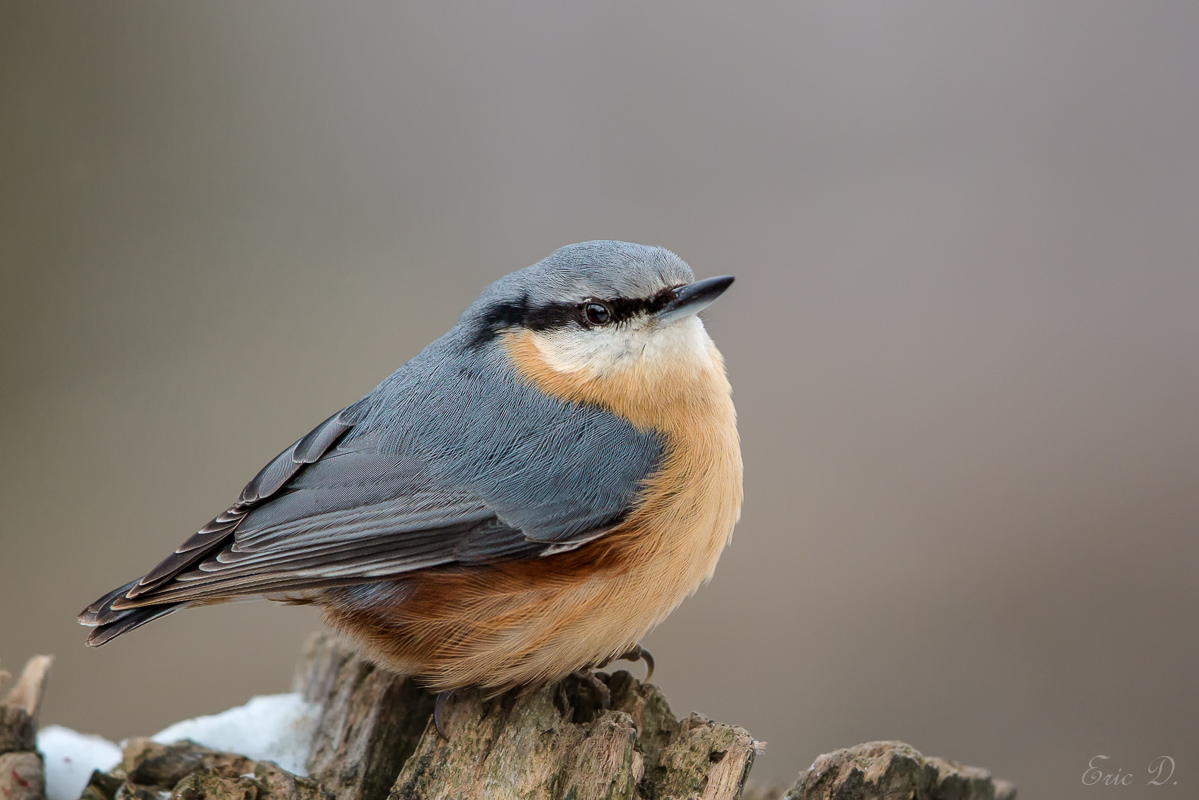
<point>438,708</point>
<point>635,653</point>
<point>600,694</point>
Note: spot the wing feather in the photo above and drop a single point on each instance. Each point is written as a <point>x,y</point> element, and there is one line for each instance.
<point>438,465</point>
<point>267,482</point>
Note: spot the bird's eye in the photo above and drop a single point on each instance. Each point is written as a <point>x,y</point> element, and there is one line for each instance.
<point>597,314</point>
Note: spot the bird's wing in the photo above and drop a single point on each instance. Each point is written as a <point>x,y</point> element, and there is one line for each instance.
<point>346,517</point>
<point>436,466</point>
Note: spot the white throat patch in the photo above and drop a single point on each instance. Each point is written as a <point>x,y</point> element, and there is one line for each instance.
<point>640,343</point>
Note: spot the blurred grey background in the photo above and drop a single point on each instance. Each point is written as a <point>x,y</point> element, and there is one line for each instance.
<point>964,338</point>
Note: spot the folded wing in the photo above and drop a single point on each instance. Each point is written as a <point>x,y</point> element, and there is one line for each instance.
<point>428,470</point>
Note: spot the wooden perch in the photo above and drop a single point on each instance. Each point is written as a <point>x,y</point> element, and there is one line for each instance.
<point>375,741</point>
<point>21,773</point>
<point>553,742</point>
<point>610,737</point>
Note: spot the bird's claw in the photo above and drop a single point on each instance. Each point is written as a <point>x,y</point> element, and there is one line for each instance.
<point>438,708</point>
<point>635,653</point>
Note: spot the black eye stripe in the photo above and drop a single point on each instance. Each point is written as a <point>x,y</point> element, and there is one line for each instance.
<point>552,316</point>
<point>628,307</point>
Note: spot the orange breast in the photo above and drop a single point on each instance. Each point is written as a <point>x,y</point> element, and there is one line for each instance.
<point>537,620</point>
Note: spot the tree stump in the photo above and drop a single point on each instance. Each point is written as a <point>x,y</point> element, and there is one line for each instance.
<point>375,739</point>
<point>585,738</point>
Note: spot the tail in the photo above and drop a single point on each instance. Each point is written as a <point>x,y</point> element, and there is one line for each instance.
<point>109,623</point>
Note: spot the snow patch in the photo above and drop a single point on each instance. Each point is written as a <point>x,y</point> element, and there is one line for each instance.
<point>70,758</point>
<point>276,727</point>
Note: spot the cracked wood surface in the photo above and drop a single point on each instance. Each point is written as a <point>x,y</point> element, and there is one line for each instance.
<point>552,742</point>
<point>585,738</point>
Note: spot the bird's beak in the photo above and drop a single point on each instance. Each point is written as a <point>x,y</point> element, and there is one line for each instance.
<point>693,298</point>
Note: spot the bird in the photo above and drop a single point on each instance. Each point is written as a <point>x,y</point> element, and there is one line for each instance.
<point>524,499</point>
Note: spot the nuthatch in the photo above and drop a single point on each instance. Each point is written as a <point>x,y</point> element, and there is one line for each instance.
<point>527,497</point>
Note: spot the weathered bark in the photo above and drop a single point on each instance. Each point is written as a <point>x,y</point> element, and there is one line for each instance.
<point>370,720</point>
<point>186,771</point>
<point>585,738</point>
<point>553,742</point>
<point>894,771</point>
<point>561,741</point>
<point>19,709</point>
<point>18,732</point>
<point>22,776</point>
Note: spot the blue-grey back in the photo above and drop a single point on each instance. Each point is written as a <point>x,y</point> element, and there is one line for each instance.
<point>459,416</point>
<point>456,436</point>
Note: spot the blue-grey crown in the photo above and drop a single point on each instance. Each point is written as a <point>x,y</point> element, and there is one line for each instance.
<point>631,277</point>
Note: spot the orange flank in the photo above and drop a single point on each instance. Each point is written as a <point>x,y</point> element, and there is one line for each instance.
<point>530,621</point>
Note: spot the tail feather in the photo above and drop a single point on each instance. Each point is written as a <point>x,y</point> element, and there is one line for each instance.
<point>110,623</point>
<point>127,621</point>
<point>101,612</point>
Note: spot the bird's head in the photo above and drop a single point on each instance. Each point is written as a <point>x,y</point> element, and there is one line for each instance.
<point>603,319</point>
